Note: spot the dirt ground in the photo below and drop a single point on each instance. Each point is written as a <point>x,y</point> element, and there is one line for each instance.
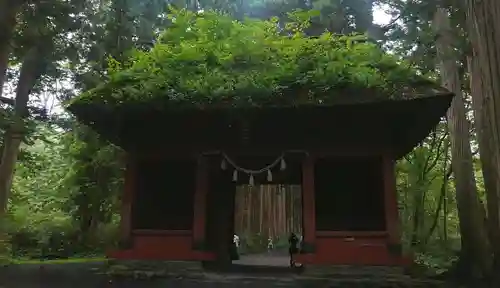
<point>90,275</point>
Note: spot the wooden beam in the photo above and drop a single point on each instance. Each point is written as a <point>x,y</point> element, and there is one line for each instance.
<point>126,205</point>
<point>308,204</point>
<point>200,204</point>
<point>391,201</point>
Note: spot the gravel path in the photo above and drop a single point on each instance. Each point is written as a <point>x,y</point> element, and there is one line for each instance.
<point>88,275</point>
<point>258,259</point>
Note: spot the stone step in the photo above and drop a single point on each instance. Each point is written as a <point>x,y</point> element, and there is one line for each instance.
<point>354,270</point>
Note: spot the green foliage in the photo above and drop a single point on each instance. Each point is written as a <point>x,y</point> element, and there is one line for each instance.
<point>427,204</point>
<point>36,210</point>
<point>66,178</point>
<point>436,262</point>
<point>210,59</point>
<point>52,200</point>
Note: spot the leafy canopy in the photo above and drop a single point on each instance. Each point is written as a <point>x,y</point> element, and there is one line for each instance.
<point>209,59</point>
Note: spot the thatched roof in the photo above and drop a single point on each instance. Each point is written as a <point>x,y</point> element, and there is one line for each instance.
<point>207,62</point>
<point>211,61</point>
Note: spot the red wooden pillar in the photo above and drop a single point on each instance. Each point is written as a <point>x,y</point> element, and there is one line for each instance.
<point>200,200</point>
<point>126,203</point>
<point>391,203</point>
<point>308,204</point>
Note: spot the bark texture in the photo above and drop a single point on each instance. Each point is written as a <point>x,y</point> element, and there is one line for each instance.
<point>483,22</point>
<point>475,249</point>
<point>489,163</point>
<point>8,12</point>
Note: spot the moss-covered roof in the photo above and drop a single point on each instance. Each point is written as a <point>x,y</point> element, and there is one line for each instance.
<point>208,60</point>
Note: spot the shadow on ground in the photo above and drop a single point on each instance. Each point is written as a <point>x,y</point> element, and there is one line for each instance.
<point>92,275</point>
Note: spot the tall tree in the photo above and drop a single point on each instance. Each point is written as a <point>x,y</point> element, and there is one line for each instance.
<point>8,13</point>
<point>483,20</point>
<point>38,31</point>
<point>475,249</point>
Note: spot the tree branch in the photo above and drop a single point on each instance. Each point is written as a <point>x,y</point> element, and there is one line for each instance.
<point>440,204</point>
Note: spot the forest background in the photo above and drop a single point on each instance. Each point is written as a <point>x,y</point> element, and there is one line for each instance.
<point>60,184</point>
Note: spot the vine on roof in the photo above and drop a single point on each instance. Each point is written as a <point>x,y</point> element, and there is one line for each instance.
<point>207,58</point>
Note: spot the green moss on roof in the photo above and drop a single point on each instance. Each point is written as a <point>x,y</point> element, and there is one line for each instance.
<point>208,59</point>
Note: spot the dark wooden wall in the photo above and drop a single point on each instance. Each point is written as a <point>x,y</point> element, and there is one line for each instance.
<point>349,194</point>
<point>164,194</point>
